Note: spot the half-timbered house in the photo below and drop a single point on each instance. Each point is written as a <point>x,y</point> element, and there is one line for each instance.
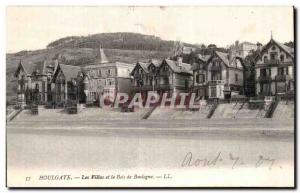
<point>275,70</point>
<point>34,82</point>
<point>174,76</point>
<point>225,74</point>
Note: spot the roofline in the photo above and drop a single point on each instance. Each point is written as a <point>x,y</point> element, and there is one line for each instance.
<point>264,48</point>
<point>137,64</point>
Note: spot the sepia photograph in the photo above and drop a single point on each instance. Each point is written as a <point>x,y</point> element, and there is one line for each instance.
<point>150,96</point>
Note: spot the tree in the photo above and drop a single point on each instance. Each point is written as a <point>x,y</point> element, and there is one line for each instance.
<point>290,44</point>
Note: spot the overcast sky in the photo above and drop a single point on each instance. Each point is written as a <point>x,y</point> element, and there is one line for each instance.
<point>30,28</point>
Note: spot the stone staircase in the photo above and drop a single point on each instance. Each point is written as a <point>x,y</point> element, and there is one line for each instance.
<point>284,110</point>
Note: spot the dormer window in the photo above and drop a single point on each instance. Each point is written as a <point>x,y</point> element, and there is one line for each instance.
<point>273,55</point>
<point>265,59</point>
<point>282,58</point>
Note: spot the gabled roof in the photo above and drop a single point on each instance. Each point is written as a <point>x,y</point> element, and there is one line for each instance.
<point>224,57</point>
<point>179,68</point>
<point>69,71</point>
<point>287,49</point>
<point>143,65</point>
<point>30,67</point>
<point>204,58</point>
<point>40,67</point>
<point>227,59</point>
<point>155,62</point>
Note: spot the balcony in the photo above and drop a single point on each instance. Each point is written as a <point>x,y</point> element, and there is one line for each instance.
<point>216,82</point>
<point>282,78</point>
<point>271,62</point>
<point>264,79</point>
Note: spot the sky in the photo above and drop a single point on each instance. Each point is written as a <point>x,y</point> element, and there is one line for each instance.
<point>30,28</point>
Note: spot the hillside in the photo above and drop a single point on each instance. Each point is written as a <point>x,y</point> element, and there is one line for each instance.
<point>121,40</point>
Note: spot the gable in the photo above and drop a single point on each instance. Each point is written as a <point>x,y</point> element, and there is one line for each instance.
<point>217,61</point>
<point>165,67</point>
<point>136,69</point>
<point>152,67</point>
<point>277,48</point>
<point>20,70</point>
<point>56,73</point>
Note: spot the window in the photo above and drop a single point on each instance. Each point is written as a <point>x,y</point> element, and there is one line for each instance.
<point>99,72</point>
<point>216,75</point>
<point>108,72</point>
<point>273,48</point>
<point>273,55</point>
<point>236,77</point>
<point>140,82</point>
<point>282,71</point>
<point>151,81</point>
<point>200,78</point>
<point>263,72</point>
<point>282,58</point>
<point>265,59</point>
<point>165,80</point>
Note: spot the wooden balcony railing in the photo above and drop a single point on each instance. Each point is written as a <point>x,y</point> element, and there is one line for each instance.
<point>282,78</point>
<point>216,82</point>
<point>264,78</point>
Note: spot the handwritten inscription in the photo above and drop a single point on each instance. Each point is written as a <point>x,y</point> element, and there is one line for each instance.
<point>221,159</point>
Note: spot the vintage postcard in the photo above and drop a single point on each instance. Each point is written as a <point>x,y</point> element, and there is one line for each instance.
<point>158,96</point>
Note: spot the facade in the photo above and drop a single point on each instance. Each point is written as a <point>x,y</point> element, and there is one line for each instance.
<point>275,70</point>
<point>243,49</point>
<point>174,76</point>
<point>66,79</point>
<point>216,76</point>
<point>104,77</point>
<point>35,82</point>
<point>200,76</point>
<point>225,75</point>
<point>145,77</point>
